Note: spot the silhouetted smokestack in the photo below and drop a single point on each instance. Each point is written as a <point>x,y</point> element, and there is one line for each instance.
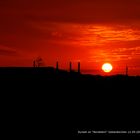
<point>57,65</point>
<point>78,67</point>
<point>70,66</point>
<point>126,70</point>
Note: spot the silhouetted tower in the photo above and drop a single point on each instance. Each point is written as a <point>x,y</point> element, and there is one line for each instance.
<point>70,66</point>
<point>126,70</point>
<point>57,66</point>
<point>78,67</point>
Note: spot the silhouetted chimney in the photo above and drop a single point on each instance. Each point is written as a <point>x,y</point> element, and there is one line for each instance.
<point>78,67</point>
<point>57,66</point>
<point>70,66</point>
<point>126,70</point>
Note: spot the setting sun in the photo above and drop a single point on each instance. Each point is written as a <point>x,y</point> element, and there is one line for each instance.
<point>107,67</point>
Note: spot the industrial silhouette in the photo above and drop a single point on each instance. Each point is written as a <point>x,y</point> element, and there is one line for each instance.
<point>64,94</point>
<point>79,67</point>
<point>70,67</point>
<point>38,62</point>
<point>126,70</point>
<point>57,66</point>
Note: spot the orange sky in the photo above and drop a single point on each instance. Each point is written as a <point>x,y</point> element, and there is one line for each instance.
<point>92,32</point>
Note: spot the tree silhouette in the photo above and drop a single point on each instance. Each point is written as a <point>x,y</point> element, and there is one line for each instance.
<point>38,62</point>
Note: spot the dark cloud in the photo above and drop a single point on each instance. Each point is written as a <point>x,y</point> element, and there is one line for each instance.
<point>73,11</point>
<point>7,51</point>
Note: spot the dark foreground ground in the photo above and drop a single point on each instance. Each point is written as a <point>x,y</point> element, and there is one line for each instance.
<point>38,102</point>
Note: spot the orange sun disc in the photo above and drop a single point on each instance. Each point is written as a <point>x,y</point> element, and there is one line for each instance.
<point>107,67</point>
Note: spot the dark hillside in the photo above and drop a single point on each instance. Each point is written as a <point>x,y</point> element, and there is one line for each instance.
<point>45,100</point>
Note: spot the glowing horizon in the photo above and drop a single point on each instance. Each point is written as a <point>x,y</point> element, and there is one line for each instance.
<point>92,32</point>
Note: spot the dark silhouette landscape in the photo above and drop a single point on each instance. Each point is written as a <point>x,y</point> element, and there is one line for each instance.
<point>61,102</point>
<point>69,67</point>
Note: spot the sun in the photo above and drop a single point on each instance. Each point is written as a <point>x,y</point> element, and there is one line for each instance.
<point>107,67</point>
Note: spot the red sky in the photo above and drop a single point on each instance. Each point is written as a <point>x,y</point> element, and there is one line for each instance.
<point>90,31</point>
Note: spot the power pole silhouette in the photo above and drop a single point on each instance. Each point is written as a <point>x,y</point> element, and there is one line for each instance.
<point>126,70</point>
<point>78,67</point>
<point>70,67</point>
